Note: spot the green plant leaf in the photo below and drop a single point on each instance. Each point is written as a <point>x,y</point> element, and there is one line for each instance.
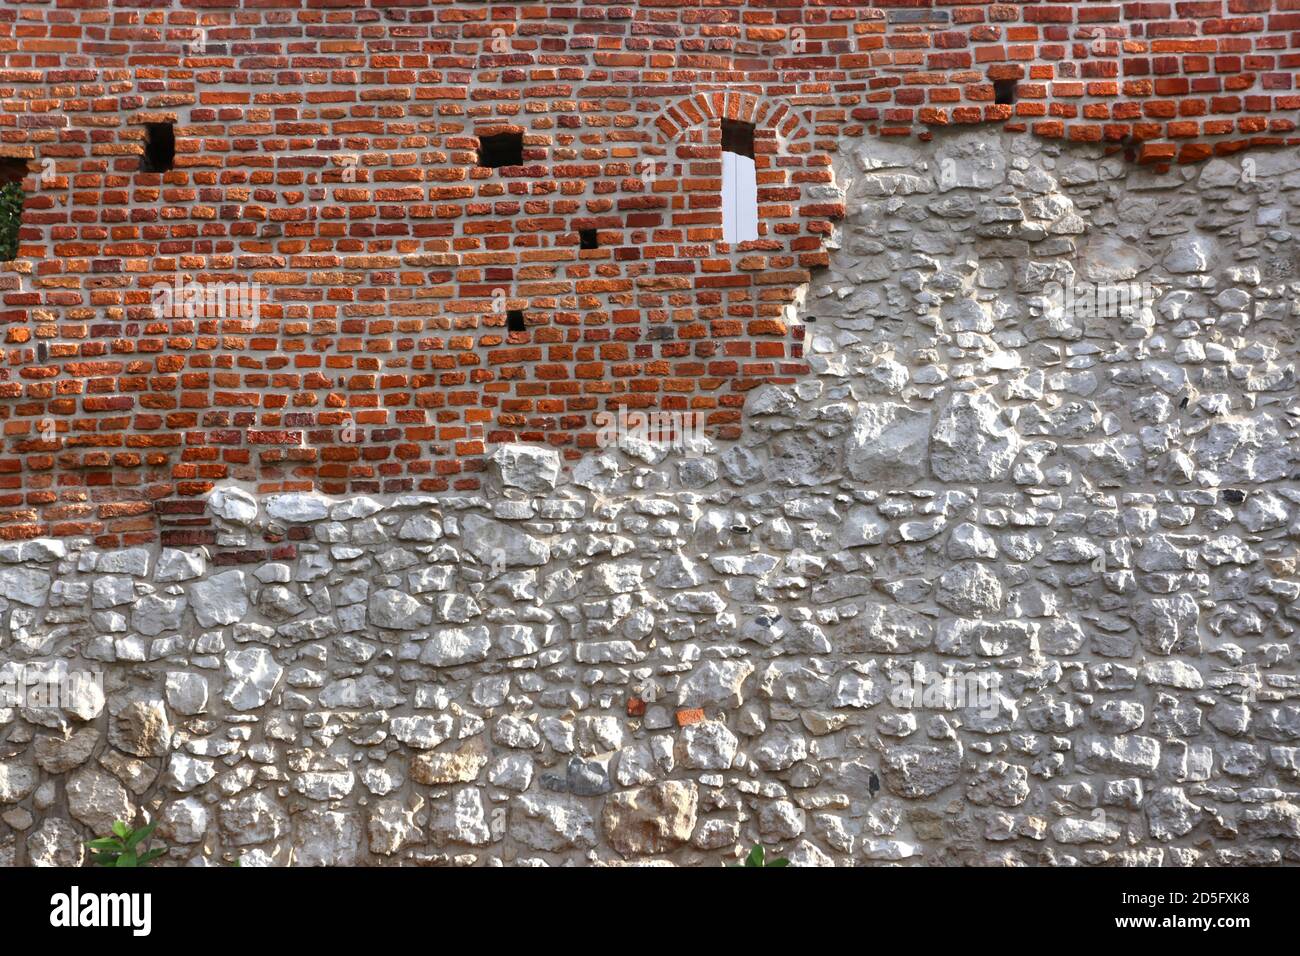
<point>104,843</point>
<point>121,829</point>
<point>11,215</point>
<point>755,857</point>
<point>141,834</point>
<point>781,862</point>
<point>152,854</point>
<point>127,859</point>
<point>104,859</point>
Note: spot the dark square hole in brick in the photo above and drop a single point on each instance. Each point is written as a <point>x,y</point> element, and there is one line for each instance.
<point>1004,92</point>
<point>502,149</point>
<point>587,239</point>
<point>738,138</point>
<point>12,170</point>
<point>515,320</point>
<point>159,148</point>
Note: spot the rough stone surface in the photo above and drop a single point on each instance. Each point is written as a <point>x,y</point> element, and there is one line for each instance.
<point>55,843</point>
<point>97,799</point>
<point>889,444</point>
<point>971,441</point>
<point>527,467</point>
<point>651,819</point>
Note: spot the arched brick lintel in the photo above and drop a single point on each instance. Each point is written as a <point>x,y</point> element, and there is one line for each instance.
<point>698,108</point>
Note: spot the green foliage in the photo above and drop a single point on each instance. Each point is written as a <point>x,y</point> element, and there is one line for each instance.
<point>11,214</point>
<point>124,846</point>
<point>758,857</point>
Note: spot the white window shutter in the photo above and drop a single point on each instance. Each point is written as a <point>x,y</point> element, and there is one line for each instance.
<point>739,199</point>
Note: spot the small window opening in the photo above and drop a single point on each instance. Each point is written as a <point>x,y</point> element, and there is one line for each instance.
<point>739,183</point>
<point>502,149</point>
<point>12,172</point>
<point>159,148</point>
<point>738,138</point>
<point>515,320</point>
<point>1004,92</point>
<point>587,239</point>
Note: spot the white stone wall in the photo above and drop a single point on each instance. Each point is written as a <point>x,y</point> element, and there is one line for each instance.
<point>1002,581</point>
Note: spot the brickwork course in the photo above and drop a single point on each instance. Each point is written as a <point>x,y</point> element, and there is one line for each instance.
<point>326,155</point>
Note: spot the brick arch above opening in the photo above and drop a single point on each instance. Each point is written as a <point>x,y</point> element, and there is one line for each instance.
<point>698,108</point>
<point>792,219</point>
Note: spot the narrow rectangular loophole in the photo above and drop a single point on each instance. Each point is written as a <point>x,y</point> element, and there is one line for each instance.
<point>515,320</point>
<point>587,239</point>
<point>1004,92</point>
<point>159,148</point>
<point>501,149</point>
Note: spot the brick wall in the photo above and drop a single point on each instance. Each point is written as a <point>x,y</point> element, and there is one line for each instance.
<point>325,156</point>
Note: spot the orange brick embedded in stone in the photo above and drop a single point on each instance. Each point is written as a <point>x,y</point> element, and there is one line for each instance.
<point>688,716</point>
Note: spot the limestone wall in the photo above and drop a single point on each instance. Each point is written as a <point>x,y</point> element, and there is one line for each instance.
<point>1010,578</point>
